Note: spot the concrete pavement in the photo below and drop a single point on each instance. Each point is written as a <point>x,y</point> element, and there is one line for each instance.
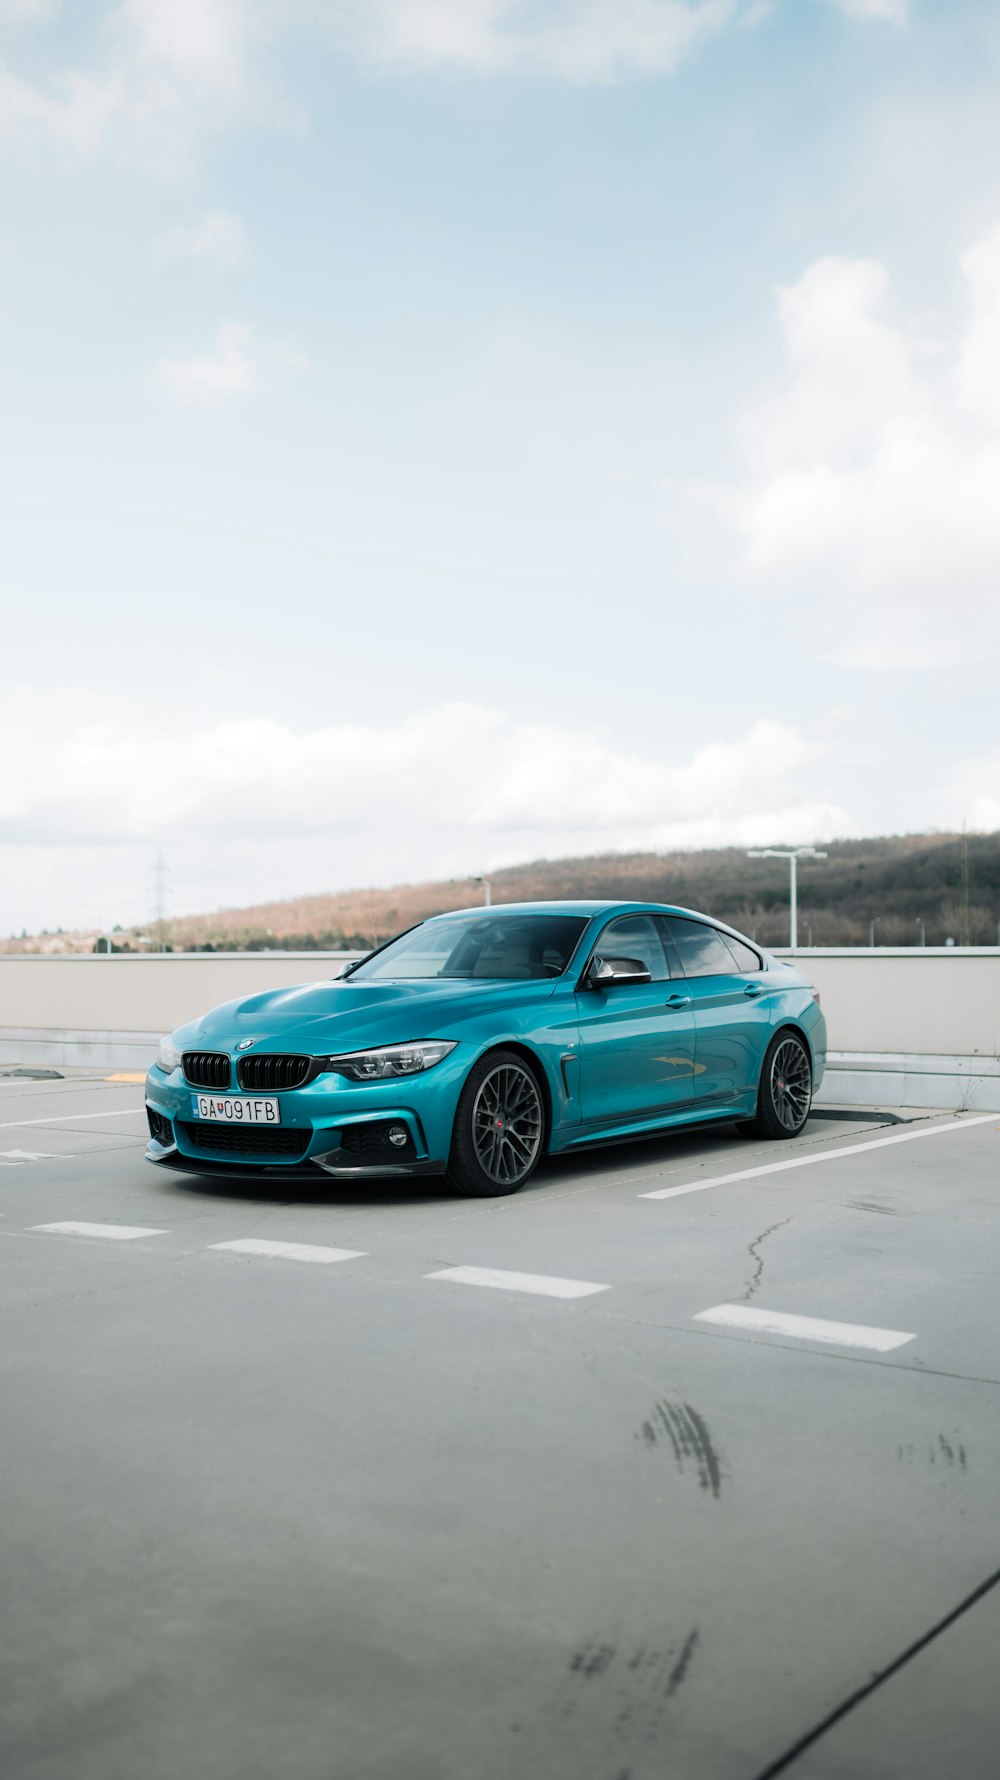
<point>272,1512</point>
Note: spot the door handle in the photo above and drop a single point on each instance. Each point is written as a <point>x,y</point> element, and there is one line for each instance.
<point>752,989</point>
<point>678,1001</point>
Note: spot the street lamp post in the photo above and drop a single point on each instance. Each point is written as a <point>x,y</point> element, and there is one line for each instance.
<point>871,929</point>
<point>793,855</point>
<point>487,890</point>
<point>922,924</point>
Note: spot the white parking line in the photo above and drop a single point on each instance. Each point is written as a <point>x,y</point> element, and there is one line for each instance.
<point>805,1328</point>
<point>850,1149</point>
<point>539,1283</point>
<point>14,1158</point>
<point>72,1118</point>
<point>114,1232</point>
<point>290,1251</point>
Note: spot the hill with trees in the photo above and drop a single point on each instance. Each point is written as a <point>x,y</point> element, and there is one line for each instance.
<point>916,888</point>
<point>941,886</point>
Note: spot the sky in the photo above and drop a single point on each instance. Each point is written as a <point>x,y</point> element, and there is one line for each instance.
<point>436,434</point>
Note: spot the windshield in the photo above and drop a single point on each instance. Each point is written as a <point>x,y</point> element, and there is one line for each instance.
<point>498,946</point>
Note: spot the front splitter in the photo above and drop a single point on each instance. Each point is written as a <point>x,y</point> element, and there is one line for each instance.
<point>311,1168</point>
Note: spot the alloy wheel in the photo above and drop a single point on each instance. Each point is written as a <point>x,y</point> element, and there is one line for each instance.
<point>507,1124</point>
<point>791,1084</point>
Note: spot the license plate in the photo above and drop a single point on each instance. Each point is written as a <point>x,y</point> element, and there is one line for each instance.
<point>236,1109</point>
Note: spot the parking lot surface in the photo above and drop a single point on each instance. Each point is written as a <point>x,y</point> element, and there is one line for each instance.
<point>368,1482</point>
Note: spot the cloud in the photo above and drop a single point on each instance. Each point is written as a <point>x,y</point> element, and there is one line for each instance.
<point>156,75</point>
<point>159,72</point>
<point>573,40</point>
<point>237,364</point>
<point>219,237</point>
<point>891,12</point>
<point>204,42</point>
<point>455,782</point>
<point>232,369</point>
<point>27,12</point>
<point>73,112</point>
<point>867,493</point>
<point>973,788</point>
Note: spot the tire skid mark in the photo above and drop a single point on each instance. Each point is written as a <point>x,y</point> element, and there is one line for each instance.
<point>951,1453</point>
<point>625,1693</point>
<point>683,1663</point>
<point>690,1441</point>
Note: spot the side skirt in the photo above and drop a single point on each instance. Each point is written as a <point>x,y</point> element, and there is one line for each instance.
<point>725,1114</point>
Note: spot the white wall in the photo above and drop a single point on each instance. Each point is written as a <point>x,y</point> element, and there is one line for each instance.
<point>933,999</point>
<point>909,1027</point>
<point>111,1010</point>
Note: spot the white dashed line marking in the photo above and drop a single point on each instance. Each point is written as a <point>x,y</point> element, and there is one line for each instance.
<point>289,1251</point>
<point>541,1284</point>
<point>850,1149</point>
<point>14,1158</point>
<point>74,1118</point>
<point>114,1232</point>
<point>804,1328</point>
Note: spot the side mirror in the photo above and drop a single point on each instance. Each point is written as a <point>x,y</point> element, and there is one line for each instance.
<point>604,973</point>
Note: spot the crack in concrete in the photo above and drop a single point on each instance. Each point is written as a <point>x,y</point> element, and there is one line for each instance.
<point>758,1258</point>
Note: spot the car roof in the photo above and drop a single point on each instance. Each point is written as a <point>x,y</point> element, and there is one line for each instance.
<point>587,908</point>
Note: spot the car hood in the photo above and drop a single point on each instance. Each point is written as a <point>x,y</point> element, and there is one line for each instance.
<point>343,1016</point>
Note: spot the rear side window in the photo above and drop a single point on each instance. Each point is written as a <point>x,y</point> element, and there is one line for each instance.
<point>747,960</point>
<point>703,951</point>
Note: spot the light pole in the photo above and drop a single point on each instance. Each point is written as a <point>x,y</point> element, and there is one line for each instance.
<point>922,924</point>
<point>871,929</point>
<point>793,855</point>
<point>487,890</point>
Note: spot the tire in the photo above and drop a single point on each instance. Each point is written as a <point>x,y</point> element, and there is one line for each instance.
<point>785,1093</point>
<point>499,1127</point>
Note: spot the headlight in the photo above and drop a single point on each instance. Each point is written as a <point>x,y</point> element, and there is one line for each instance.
<point>391,1060</point>
<point>168,1057</point>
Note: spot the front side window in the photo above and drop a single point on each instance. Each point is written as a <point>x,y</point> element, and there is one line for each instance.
<point>703,951</point>
<point>503,947</point>
<point>634,936</point>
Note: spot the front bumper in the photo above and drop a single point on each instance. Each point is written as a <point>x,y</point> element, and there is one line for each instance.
<point>331,1126</point>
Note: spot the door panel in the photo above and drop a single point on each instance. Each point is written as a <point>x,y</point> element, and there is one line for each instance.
<point>733,1030</point>
<point>637,1052</point>
<point>732,1013</point>
<point>637,1055</point>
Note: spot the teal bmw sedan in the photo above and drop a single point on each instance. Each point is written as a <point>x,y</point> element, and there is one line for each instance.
<point>477,1043</point>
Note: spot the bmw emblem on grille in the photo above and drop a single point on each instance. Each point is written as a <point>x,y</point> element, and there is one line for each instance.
<point>244,1044</point>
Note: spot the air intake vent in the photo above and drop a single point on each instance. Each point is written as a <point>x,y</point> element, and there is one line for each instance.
<point>266,1074</point>
<point>244,1140</point>
<point>372,1139</point>
<point>206,1069</point>
<point>160,1128</point>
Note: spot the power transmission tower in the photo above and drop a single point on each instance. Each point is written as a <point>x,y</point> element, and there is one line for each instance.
<point>160,875</point>
<point>963,930</point>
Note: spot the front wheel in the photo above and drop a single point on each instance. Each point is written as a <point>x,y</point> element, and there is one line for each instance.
<point>785,1093</point>
<point>499,1126</point>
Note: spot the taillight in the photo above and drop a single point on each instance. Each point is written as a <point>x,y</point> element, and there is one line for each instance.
<point>814,992</point>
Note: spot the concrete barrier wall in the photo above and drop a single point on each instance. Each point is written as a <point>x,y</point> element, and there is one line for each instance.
<point>910,1027</point>
<point>929,1000</point>
<point>112,1010</point>
<point>907,1027</point>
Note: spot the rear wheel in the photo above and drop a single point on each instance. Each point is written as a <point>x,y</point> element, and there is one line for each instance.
<point>499,1127</point>
<point>785,1093</point>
